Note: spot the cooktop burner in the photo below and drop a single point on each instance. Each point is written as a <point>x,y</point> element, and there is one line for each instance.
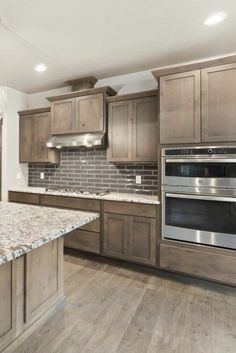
<point>78,191</point>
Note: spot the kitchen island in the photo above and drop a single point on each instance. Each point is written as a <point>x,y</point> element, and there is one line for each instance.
<point>31,266</point>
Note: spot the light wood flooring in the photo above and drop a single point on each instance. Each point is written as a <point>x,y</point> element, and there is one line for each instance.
<point>113,307</point>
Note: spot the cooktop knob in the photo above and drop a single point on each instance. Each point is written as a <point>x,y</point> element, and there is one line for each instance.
<point>210,151</point>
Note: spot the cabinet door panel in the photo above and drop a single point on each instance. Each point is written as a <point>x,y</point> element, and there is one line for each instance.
<point>145,129</point>
<point>120,131</point>
<point>42,133</point>
<point>180,108</point>
<point>115,235</point>
<point>63,116</point>
<point>219,103</point>
<point>142,243</point>
<point>7,304</point>
<point>27,138</point>
<point>90,113</point>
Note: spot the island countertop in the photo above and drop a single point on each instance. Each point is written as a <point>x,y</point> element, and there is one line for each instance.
<point>24,228</point>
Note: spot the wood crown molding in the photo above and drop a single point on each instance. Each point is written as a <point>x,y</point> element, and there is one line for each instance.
<point>105,90</point>
<point>34,111</point>
<point>193,65</point>
<point>128,96</point>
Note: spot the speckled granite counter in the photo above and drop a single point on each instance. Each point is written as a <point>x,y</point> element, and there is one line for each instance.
<point>136,198</point>
<point>23,227</point>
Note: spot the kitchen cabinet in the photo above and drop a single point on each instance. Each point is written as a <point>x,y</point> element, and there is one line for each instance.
<point>35,129</point>
<point>130,237</point>
<point>219,103</point>
<point>80,111</point>
<point>198,105</point>
<point>132,127</point>
<point>180,108</point>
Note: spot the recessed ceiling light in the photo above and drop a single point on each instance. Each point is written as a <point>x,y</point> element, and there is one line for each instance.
<point>40,67</point>
<point>215,18</point>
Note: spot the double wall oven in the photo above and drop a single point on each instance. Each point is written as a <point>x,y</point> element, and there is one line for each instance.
<point>199,195</point>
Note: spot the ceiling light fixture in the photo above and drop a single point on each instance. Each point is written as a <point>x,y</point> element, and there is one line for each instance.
<point>40,67</point>
<point>215,18</point>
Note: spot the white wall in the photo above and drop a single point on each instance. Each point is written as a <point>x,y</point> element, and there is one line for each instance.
<point>130,83</point>
<point>14,174</point>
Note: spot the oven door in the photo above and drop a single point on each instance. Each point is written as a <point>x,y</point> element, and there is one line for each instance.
<point>201,219</point>
<point>207,172</point>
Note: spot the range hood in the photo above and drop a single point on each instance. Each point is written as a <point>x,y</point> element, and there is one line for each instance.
<point>77,140</point>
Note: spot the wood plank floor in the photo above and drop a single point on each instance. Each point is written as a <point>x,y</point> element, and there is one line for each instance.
<point>113,307</point>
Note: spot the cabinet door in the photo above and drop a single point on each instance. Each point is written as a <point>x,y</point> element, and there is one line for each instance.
<point>180,108</point>
<point>27,138</point>
<point>116,232</point>
<point>145,129</point>
<point>142,240</point>
<point>90,113</point>
<point>42,133</point>
<point>219,103</point>
<point>7,304</point>
<point>63,116</point>
<point>120,131</point>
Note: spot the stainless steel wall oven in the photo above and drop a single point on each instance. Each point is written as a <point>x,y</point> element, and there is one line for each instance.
<point>199,195</point>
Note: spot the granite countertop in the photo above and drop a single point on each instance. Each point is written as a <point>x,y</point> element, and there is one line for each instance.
<point>24,228</point>
<point>112,196</point>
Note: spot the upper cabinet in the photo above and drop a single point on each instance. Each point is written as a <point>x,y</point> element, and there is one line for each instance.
<point>180,106</point>
<point>132,127</point>
<point>80,111</point>
<point>198,105</point>
<point>35,129</point>
<point>219,103</point>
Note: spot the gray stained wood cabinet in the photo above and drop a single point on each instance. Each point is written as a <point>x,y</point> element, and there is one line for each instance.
<point>63,116</point>
<point>198,106</point>
<point>132,129</point>
<point>35,129</point>
<point>130,236</point>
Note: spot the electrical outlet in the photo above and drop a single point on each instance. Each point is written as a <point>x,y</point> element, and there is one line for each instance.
<point>41,175</point>
<point>138,179</point>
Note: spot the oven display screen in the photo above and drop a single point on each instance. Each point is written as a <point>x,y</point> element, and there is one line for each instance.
<point>205,215</point>
<point>201,170</point>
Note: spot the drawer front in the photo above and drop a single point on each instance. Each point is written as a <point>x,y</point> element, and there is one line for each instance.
<point>83,240</point>
<point>70,202</point>
<point>132,209</point>
<point>23,197</point>
<point>199,263</point>
<point>93,226</point>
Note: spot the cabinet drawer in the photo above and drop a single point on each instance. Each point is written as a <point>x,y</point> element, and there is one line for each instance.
<point>23,197</point>
<point>70,202</point>
<point>132,209</point>
<point>93,226</point>
<point>198,263</point>
<point>83,240</point>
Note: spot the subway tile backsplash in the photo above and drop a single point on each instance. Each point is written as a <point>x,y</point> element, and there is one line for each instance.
<point>89,169</point>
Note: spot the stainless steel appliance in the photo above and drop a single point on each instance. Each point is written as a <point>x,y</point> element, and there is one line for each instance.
<point>199,195</point>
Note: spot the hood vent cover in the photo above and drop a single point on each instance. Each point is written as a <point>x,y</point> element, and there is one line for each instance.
<point>79,140</point>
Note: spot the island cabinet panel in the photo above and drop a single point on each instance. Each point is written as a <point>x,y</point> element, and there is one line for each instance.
<point>180,106</point>
<point>35,129</point>
<point>43,279</point>
<point>145,129</point>
<point>63,116</point>
<point>23,197</point>
<point>220,267</point>
<point>7,304</point>
<point>120,131</point>
<point>90,113</point>
<point>132,127</point>
<point>219,103</point>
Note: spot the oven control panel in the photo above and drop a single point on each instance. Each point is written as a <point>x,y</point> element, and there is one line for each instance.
<point>196,151</point>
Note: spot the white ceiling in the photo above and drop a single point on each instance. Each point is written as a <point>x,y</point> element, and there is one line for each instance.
<point>105,37</point>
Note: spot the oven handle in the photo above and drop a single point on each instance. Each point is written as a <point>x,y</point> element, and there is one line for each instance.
<point>201,160</point>
<point>201,197</point>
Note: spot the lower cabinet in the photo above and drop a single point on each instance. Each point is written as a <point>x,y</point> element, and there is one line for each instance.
<point>83,240</point>
<point>130,237</point>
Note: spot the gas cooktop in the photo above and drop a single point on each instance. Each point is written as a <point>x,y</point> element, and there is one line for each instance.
<point>78,191</point>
